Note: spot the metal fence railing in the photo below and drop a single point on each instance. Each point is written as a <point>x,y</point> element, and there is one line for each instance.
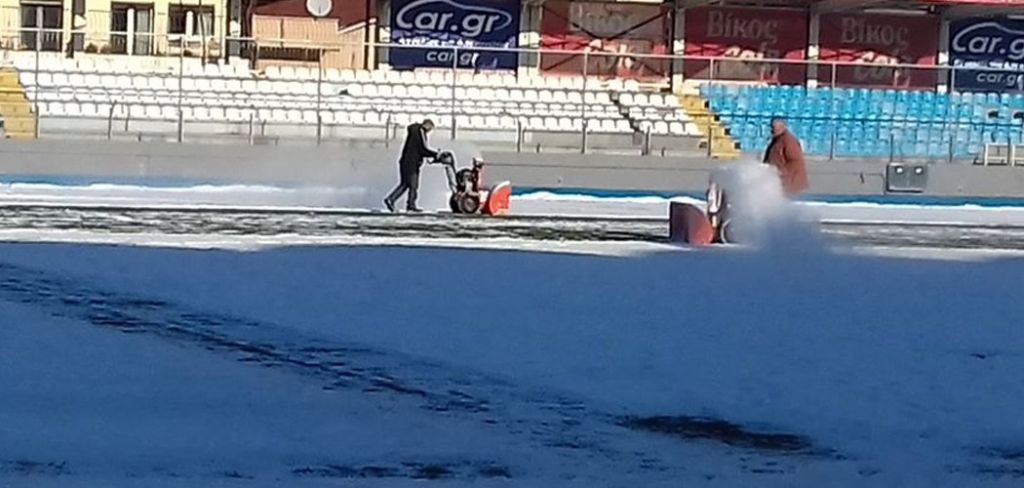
<point>952,122</point>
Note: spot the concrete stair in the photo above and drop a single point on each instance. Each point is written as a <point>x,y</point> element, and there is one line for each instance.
<point>722,144</point>
<point>15,109</point>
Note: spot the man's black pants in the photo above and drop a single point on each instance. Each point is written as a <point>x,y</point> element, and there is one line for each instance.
<point>410,181</point>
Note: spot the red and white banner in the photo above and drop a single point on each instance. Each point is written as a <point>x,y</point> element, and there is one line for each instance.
<point>748,34</point>
<point>617,36</point>
<point>879,39</point>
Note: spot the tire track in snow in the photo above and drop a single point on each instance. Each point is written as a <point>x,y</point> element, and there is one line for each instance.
<point>176,221</point>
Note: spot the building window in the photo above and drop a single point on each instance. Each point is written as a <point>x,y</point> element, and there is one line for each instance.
<point>41,25</point>
<point>131,29</point>
<point>190,21</point>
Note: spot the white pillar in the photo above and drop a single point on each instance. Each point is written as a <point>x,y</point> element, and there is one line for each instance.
<point>383,35</point>
<point>529,37</point>
<point>942,57</point>
<point>678,48</point>
<point>813,31</point>
<point>130,37</point>
<point>190,23</point>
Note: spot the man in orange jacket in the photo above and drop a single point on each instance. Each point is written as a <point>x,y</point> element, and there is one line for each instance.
<point>785,154</point>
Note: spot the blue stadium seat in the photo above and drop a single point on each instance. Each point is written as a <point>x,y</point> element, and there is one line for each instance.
<point>863,120</point>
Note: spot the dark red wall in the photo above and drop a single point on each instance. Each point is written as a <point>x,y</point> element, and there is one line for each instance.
<point>346,11</point>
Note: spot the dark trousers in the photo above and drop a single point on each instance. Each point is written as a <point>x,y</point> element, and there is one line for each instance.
<point>410,181</point>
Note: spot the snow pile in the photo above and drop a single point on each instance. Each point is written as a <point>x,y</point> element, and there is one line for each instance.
<point>363,185</point>
<point>760,213</point>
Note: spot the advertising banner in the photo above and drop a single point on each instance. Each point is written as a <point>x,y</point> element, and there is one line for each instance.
<point>879,39</point>
<point>987,43</point>
<point>435,27</point>
<point>618,37</point>
<point>747,35</point>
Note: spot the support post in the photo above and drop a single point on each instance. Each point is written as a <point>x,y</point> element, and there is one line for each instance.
<point>583,104</point>
<point>319,91</point>
<point>455,84</point>
<point>181,88</point>
<point>110,121</point>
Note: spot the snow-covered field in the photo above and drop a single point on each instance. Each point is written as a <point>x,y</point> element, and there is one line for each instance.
<point>180,361</point>
<point>164,367</point>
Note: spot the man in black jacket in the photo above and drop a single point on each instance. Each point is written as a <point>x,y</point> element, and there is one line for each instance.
<point>413,152</point>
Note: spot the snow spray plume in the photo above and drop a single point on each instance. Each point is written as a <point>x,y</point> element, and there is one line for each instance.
<point>761,214</point>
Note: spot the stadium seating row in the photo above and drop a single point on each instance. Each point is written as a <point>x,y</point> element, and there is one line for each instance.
<point>369,117</point>
<point>870,122</point>
<point>211,93</point>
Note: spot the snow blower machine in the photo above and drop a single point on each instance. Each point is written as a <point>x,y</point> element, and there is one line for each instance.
<point>688,224</point>
<point>468,194</point>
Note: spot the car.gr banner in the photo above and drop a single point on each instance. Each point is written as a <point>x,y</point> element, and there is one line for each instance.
<point>434,28</point>
<point>987,43</point>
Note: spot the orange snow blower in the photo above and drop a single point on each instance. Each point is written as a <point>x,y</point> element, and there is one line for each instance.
<point>469,196</point>
<point>690,225</point>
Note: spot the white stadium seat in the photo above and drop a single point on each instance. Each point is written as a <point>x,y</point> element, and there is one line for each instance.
<point>373,118</point>
<point>229,93</point>
<point>88,109</point>
<point>52,108</point>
